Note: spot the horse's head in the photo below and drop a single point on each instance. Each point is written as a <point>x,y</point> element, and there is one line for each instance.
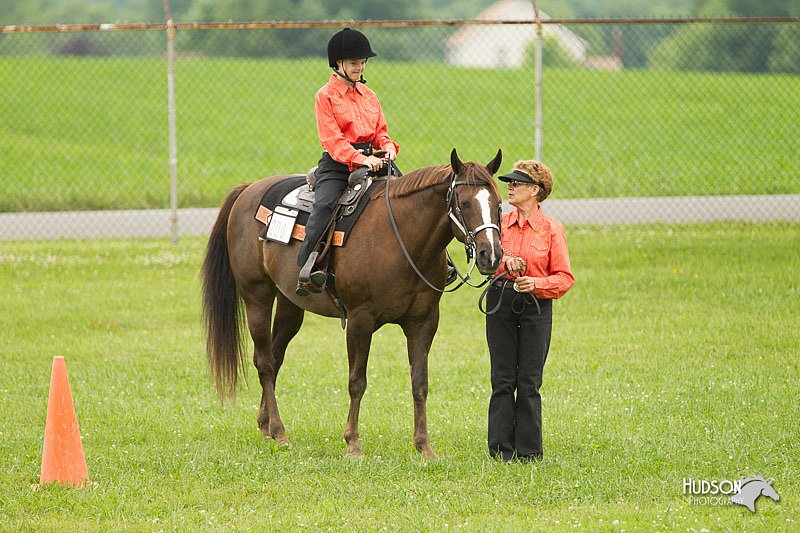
<point>769,492</point>
<point>751,489</point>
<point>475,208</point>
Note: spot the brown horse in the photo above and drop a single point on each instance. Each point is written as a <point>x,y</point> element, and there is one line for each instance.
<point>374,280</point>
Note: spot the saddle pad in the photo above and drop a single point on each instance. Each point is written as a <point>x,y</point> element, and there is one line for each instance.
<point>275,194</point>
<point>274,197</point>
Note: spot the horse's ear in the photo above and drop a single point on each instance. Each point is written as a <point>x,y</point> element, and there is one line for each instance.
<point>494,165</point>
<point>455,162</point>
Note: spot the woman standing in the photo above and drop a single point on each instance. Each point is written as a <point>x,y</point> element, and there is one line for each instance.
<point>536,271</point>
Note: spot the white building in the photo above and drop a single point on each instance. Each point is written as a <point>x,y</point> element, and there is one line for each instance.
<point>504,46</point>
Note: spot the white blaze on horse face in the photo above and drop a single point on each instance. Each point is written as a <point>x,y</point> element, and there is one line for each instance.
<point>486,214</point>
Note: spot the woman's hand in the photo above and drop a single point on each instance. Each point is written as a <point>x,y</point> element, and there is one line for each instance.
<point>524,284</point>
<point>391,154</point>
<point>515,266</point>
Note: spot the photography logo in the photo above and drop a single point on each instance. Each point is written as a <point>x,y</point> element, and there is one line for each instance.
<point>726,492</point>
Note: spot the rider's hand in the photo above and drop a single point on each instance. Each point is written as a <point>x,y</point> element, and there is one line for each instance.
<point>374,163</point>
<point>391,154</point>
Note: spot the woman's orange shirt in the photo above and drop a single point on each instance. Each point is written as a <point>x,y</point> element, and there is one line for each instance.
<point>540,241</point>
<point>347,115</point>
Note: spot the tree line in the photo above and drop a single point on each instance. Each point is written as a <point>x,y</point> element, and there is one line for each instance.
<point>39,12</point>
<point>697,47</point>
<point>759,48</point>
<point>740,48</point>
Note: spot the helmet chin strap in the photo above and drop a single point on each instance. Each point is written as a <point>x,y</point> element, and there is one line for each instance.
<point>347,79</point>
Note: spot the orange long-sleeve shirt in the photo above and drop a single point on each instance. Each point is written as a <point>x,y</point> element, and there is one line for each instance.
<point>540,241</point>
<point>347,115</point>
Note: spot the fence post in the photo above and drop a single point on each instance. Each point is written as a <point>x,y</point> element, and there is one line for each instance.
<point>538,130</point>
<point>173,142</point>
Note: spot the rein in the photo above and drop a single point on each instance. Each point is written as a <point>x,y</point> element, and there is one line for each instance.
<point>494,309</point>
<point>458,219</point>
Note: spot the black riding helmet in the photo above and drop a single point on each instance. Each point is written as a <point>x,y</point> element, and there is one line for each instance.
<point>348,44</point>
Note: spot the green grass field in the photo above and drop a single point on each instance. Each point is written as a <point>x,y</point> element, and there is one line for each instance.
<point>92,133</point>
<point>675,355</point>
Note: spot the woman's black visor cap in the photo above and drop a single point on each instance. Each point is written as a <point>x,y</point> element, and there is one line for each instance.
<point>516,175</point>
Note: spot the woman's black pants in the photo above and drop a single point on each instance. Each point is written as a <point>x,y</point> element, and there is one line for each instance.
<point>519,340</point>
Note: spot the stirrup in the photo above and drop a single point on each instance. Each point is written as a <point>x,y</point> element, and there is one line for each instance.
<point>305,272</point>
<point>309,281</point>
<point>304,288</point>
<point>318,279</point>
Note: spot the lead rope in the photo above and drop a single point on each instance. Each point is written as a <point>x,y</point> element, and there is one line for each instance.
<point>494,309</point>
<point>506,281</point>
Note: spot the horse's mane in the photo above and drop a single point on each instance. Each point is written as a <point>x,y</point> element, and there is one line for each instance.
<point>427,177</point>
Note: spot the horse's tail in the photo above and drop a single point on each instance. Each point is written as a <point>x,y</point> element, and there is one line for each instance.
<point>222,307</point>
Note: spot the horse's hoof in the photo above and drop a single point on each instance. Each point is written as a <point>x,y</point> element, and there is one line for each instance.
<point>279,443</point>
<point>279,439</point>
<point>355,453</point>
<point>283,444</point>
<point>428,453</point>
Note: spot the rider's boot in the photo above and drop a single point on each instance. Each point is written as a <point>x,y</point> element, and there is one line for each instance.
<point>309,281</point>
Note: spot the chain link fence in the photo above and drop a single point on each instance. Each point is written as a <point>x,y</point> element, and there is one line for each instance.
<point>643,121</point>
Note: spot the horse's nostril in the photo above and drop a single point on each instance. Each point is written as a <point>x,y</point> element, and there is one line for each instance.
<point>488,260</point>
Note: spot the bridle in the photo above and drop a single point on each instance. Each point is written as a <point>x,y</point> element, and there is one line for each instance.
<point>455,214</point>
<point>457,217</point>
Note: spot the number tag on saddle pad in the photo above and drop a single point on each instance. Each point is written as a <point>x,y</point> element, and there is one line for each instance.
<point>281,224</point>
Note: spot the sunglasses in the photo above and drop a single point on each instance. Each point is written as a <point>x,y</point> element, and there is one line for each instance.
<point>514,184</point>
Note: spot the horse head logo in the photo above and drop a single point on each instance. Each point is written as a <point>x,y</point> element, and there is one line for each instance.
<point>751,489</point>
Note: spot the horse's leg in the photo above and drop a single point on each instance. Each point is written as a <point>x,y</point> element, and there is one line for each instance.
<point>419,332</point>
<point>258,303</point>
<point>359,337</point>
<point>288,319</point>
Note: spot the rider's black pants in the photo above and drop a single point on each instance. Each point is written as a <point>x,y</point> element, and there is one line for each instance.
<point>331,181</point>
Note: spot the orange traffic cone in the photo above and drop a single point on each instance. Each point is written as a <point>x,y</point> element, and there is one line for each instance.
<point>62,457</point>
